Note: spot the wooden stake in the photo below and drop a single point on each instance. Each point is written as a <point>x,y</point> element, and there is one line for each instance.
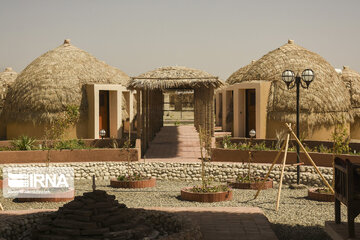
<point>309,158</point>
<point>1,207</point>
<point>271,167</point>
<point>282,171</point>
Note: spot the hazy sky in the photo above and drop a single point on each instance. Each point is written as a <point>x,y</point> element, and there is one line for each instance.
<point>216,36</point>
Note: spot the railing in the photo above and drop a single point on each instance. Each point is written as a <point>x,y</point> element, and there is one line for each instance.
<point>347,191</point>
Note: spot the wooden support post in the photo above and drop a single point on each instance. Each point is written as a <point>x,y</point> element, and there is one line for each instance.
<point>282,171</point>
<point>309,158</point>
<point>271,167</point>
<point>138,119</point>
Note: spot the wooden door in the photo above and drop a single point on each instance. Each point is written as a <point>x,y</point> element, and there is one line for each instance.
<point>250,110</point>
<point>104,112</point>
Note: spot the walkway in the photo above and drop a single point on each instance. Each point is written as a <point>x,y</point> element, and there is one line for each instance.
<point>216,223</point>
<point>175,144</point>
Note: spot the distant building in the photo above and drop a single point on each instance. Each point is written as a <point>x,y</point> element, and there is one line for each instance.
<point>66,76</point>
<point>257,98</point>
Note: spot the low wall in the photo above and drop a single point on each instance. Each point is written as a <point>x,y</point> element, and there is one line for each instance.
<point>354,146</point>
<point>76,155</point>
<point>190,171</point>
<point>235,155</point>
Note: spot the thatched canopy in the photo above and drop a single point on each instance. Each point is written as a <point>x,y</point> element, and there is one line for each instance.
<point>327,101</point>
<point>174,77</point>
<point>7,78</point>
<point>237,76</point>
<point>56,79</point>
<point>352,81</point>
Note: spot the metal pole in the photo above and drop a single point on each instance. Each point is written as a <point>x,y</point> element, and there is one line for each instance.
<point>298,79</point>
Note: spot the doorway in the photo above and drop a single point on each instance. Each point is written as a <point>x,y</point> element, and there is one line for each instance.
<point>104,119</point>
<point>250,110</point>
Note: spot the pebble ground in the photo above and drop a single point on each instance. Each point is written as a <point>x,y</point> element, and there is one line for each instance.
<point>297,218</point>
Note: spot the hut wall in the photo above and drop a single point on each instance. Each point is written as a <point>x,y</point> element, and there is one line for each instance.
<point>318,132</point>
<point>15,130</point>
<point>355,129</point>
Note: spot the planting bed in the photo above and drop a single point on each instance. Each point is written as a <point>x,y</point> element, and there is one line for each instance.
<point>187,194</point>
<point>51,197</point>
<point>322,197</point>
<point>251,185</point>
<point>151,182</point>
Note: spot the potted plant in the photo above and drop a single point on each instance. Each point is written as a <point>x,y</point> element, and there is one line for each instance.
<point>248,181</point>
<point>206,192</point>
<point>128,180</point>
<point>341,141</point>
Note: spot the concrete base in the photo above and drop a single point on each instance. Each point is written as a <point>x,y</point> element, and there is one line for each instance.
<point>340,231</point>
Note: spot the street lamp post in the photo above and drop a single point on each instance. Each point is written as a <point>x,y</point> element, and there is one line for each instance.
<point>292,81</point>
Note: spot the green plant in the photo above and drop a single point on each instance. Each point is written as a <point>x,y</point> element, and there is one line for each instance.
<point>56,129</point>
<point>260,146</point>
<point>70,144</point>
<point>247,179</point>
<point>24,143</point>
<point>341,139</point>
<point>133,177</point>
<point>323,149</point>
<point>209,189</point>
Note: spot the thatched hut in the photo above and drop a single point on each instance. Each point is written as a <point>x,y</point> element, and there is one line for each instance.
<point>61,77</point>
<point>7,78</point>
<point>150,87</point>
<point>263,102</point>
<point>352,81</point>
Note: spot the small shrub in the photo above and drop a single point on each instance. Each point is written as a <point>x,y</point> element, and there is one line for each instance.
<point>23,143</point>
<point>260,147</point>
<point>341,140</point>
<point>134,177</point>
<point>210,189</point>
<point>247,179</point>
<point>70,144</point>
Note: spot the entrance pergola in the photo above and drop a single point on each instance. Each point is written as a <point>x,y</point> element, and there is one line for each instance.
<point>150,101</point>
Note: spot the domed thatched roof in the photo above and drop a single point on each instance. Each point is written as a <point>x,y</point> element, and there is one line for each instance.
<point>174,77</point>
<point>7,78</point>
<point>327,100</point>
<point>352,81</point>
<point>56,79</point>
<point>237,76</point>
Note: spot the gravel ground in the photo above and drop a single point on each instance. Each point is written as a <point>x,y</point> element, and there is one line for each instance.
<point>297,218</point>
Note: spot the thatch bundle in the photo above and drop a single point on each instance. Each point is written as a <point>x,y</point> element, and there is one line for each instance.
<point>327,100</point>
<point>174,77</point>
<point>352,81</point>
<point>7,78</point>
<point>54,80</point>
<point>237,76</point>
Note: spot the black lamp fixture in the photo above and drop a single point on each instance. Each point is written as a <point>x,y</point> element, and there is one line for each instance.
<point>307,76</point>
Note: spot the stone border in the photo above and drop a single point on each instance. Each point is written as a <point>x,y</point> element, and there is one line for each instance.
<point>218,172</point>
<point>151,182</point>
<point>205,197</point>
<point>22,226</point>
<point>56,197</point>
<point>321,197</point>
<point>252,185</point>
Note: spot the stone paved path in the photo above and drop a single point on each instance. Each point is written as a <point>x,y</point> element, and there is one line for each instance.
<point>174,144</point>
<point>228,223</point>
<point>216,223</point>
